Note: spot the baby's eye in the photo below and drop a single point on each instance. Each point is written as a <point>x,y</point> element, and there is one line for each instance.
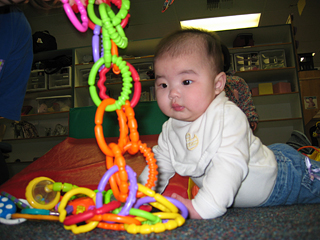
<point>186,82</point>
<point>163,85</point>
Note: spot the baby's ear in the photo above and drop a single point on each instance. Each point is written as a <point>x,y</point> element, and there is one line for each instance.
<point>220,82</point>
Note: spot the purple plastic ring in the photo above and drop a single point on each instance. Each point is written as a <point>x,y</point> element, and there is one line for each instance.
<point>132,189</point>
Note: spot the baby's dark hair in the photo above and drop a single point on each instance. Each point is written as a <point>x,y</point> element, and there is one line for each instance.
<point>226,58</point>
<point>189,40</point>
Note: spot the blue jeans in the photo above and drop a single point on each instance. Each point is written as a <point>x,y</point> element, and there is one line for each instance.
<point>294,184</point>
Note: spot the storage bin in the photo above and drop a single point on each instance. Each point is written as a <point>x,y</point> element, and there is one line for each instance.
<point>255,91</point>
<point>54,104</point>
<point>246,61</point>
<point>282,87</point>
<point>273,59</point>
<point>37,81</point>
<point>265,88</point>
<point>61,79</point>
<point>84,75</point>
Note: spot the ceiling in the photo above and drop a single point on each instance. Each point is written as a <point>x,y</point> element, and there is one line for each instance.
<point>147,21</point>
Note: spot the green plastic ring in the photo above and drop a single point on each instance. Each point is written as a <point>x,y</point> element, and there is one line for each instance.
<point>126,86</point>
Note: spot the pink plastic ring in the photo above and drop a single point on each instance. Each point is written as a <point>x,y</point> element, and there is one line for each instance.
<point>137,85</point>
<point>71,15</point>
<point>81,217</point>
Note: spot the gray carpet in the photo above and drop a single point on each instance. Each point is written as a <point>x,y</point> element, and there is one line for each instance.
<point>287,222</point>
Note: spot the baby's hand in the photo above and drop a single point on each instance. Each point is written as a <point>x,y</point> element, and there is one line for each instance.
<point>193,214</point>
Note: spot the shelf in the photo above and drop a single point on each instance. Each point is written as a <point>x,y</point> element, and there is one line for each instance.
<point>261,35</point>
<point>34,140</point>
<point>262,46</point>
<point>274,94</point>
<point>254,77</point>
<point>287,47</point>
<point>278,106</point>
<point>118,83</point>
<point>38,116</point>
<point>51,54</point>
<point>41,116</point>
<point>128,59</point>
<point>278,131</point>
<point>49,92</point>
<point>268,75</point>
<point>276,98</point>
<point>279,120</point>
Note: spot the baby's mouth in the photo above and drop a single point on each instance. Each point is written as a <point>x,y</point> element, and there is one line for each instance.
<point>177,107</point>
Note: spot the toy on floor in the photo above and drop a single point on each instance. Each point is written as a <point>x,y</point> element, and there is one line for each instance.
<point>8,207</point>
<point>44,193</point>
<point>95,208</point>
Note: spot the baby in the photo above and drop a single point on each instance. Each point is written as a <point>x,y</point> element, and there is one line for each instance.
<point>208,138</point>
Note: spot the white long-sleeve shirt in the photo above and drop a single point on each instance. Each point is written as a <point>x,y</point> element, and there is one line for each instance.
<point>221,155</point>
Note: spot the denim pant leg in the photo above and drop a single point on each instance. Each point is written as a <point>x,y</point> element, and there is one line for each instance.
<point>294,184</point>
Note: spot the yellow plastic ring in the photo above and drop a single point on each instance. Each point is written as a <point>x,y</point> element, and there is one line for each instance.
<point>74,228</point>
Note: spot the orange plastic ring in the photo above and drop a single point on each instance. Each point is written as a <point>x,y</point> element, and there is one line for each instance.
<point>122,173</point>
<point>99,129</point>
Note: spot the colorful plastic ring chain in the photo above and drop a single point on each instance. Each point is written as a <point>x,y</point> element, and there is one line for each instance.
<point>70,13</point>
<point>109,20</point>
<point>132,147</point>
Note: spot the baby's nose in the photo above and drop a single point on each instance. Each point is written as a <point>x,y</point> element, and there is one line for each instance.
<point>174,93</point>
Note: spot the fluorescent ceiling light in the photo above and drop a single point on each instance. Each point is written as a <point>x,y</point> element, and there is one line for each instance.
<point>224,23</point>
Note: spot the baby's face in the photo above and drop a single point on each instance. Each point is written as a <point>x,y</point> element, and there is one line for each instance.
<point>184,85</point>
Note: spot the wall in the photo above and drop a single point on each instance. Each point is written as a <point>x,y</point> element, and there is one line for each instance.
<point>147,21</point>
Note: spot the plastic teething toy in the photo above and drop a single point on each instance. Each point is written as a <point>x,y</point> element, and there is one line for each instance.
<point>44,193</point>
<point>95,208</point>
<point>132,148</point>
